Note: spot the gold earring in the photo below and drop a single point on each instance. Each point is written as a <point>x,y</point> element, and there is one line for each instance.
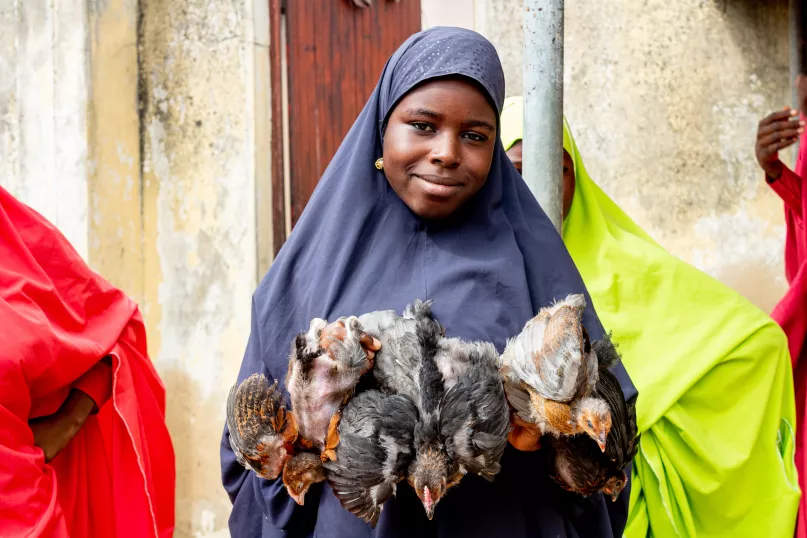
<point>379,164</point>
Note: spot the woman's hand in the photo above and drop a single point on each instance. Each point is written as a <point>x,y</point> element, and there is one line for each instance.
<point>337,331</point>
<point>776,132</point>
<point>53,432</point>
<point>524,436</point>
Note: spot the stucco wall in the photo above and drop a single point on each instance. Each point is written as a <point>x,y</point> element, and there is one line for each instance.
<point>664,99</point>
<point>197,129</point>
<point>43,98</point>
<point>140,129</point>
<point>145,143</point>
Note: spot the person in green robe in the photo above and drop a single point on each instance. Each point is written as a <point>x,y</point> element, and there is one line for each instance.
<point>716,411</point>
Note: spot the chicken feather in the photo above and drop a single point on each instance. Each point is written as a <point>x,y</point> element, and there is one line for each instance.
<point>261,430</point>
<point>374,451</point>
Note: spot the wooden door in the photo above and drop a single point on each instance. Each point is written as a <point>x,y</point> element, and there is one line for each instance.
<point>334,53</point>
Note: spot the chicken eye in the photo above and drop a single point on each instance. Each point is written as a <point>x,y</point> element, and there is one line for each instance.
<point>590,425</point>
<point>299,485</point>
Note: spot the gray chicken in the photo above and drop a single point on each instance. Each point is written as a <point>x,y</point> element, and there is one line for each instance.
<point>577,464</point>
<point>374,452</point>
<point>550,371</point>
<point>463,414</point>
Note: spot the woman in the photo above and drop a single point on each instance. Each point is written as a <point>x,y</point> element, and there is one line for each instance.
<point>420,201</point>
<point>776,132</point>
<point>85,450</point>
<point>716,412</point>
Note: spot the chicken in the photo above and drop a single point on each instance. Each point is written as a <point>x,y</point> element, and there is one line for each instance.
<point>578,465</point>
<point>325,365</point>
<point>475,434</point>
<point>455,385</point>
<point>374,451</point>
<point>301,472</point>
<point>550,371</point>
<point>262,431</point>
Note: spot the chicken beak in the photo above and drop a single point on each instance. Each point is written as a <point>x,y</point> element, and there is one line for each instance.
<point>299,499</point>
<point>601,443</point>
<point>427,503</point>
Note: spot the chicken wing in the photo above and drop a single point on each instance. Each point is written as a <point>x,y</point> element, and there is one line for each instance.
<point>262,431</point>
<point>374,452</point>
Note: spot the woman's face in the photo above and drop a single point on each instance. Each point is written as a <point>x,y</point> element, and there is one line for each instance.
<point>438,146</point>
<point>514,153</point>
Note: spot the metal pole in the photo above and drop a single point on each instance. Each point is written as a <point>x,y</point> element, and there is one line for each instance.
<point>543,104</point>
<point>797,43</point>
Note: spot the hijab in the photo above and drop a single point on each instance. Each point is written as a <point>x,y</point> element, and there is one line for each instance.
<point>358,248</point>
<point>717,407</point>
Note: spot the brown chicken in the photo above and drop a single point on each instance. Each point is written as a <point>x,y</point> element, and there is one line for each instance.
<point>262,431</point>
<point>578,465</point>
<point>300,473</point>
<point>550,371</point>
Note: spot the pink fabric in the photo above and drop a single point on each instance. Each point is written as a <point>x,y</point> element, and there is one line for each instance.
<point>791,311</point>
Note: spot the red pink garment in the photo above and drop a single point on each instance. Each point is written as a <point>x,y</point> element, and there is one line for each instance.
<point>58,320</point>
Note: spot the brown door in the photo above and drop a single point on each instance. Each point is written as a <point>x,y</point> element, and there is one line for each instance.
<point>334,53</point>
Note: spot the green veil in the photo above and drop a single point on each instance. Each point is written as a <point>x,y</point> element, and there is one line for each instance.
<point>716,407</point>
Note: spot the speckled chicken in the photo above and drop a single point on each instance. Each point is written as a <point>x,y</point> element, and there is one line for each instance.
<point>264,436</point>
<point>373,453</point>
<point>550,371</point>
<point>578,464</point>
<point>262,431</point>
<point>455,385</point>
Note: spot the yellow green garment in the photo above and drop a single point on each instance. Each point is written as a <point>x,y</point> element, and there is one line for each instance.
<point>716,407</point>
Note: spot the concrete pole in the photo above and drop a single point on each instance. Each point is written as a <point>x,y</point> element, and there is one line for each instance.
<point>543,104</point>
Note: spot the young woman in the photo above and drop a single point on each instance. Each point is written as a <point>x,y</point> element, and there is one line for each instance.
<point>420,201</point>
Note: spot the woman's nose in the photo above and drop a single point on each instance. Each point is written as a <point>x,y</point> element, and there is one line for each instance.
<point>446,151</point>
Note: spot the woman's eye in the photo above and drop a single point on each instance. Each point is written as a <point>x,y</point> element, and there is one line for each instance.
<point>422,126</point>
<point>476,137</point>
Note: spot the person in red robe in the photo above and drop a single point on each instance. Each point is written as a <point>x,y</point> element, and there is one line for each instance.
<point>84,448</point>
<point>776,132</point>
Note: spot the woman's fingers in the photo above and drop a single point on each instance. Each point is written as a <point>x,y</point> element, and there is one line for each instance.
<point>779,115</point>
<point>779,128</point>
<point>775,148</point>
<point>369,343</point>
<point>777,137</point>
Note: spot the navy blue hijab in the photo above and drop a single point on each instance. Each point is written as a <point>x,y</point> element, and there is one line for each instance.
<point>489,268</point>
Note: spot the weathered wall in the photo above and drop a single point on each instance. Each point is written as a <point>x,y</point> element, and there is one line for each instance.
<point>140,129</point>
<point>664,98</point>
<point>43,98</point>
<point>197,130</point>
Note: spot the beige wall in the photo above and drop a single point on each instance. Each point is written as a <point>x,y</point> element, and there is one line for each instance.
<point>148,149</point>
<point>664,98</point>
<point>145,149</point>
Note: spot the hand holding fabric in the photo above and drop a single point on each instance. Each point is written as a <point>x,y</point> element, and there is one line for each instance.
<point>53,432</point>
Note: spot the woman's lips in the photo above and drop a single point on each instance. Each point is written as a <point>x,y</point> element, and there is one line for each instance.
<point>439,186</point>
